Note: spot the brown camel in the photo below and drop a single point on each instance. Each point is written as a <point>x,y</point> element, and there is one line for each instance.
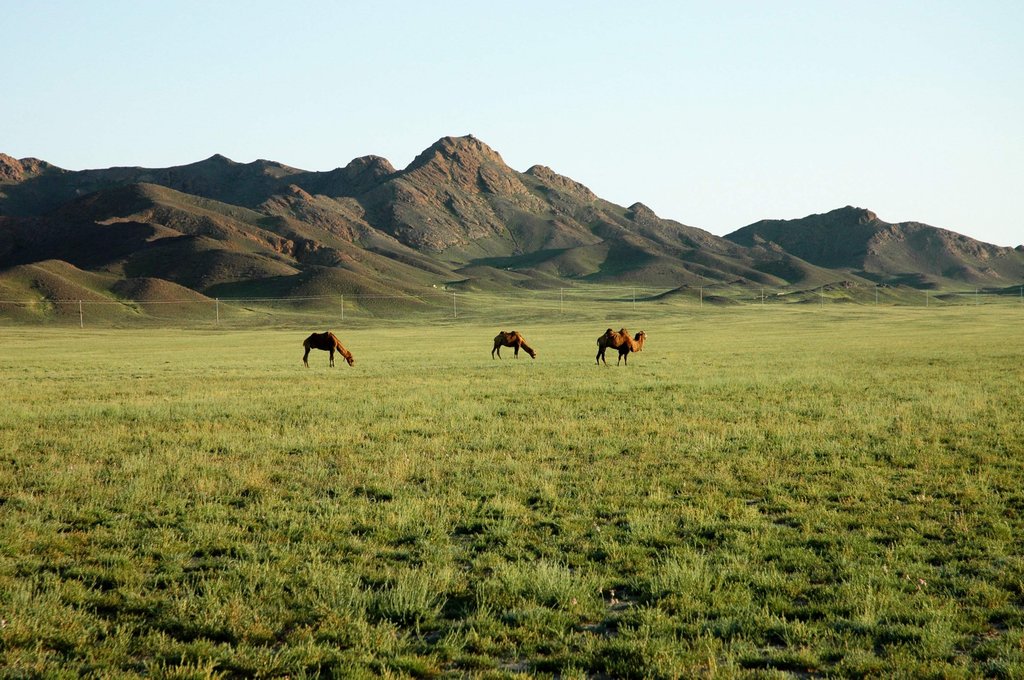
<point>621,341</point>
<point>326,341</point>
<point>511,339</point>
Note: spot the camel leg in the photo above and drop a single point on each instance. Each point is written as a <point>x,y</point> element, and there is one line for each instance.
<point>516,347</point>
<point>332,357</point>
<point>600,356</point>
<point>497,348</point>
<point>305,358</point>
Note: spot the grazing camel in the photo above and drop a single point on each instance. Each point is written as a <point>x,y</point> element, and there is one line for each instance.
<point>621,341</point>
<point>326,341</point>
<point>511,339</point>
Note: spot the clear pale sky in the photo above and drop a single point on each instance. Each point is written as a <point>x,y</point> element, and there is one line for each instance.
<point>716,114</point>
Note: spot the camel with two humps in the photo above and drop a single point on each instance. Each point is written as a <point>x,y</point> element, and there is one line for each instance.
<point>512,339</point>
<point>328,342</point>
<point>619,340</point>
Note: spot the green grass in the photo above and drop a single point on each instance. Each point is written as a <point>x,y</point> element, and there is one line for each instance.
<point>762,491</point>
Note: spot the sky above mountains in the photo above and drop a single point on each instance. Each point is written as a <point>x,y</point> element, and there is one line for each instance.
<point>713,114</point>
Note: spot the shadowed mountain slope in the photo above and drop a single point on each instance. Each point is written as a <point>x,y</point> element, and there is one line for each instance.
<point>857,241</point>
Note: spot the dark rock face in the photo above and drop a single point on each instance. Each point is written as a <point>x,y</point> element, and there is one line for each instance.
<point>10,169</point>
<point>855,239</point>
<point>13,170</point>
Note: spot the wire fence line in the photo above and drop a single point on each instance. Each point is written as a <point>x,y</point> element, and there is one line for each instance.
<point>456,304</point>
<point>710,294</point>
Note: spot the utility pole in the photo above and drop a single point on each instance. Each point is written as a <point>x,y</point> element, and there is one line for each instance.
<point>81,318</point>
<point>455,306</point>
<point>216,305</point>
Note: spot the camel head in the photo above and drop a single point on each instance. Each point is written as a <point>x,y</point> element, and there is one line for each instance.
<point>640,337</point>
<point>532,352</point>
<point>351,360</point>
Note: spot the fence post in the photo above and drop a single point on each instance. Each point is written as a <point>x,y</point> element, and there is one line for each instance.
<point>559,300</point>
<point>342,307</point>
<point>81,318</point>
<point>634,299</point>
<point>217,305</point>
<point>876,293</point>
<point>455,307</point>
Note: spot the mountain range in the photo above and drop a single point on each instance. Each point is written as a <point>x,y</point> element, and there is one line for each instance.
<point>456,216</point>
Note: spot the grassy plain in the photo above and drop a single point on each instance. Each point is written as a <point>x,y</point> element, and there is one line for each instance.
<point>763,491</point>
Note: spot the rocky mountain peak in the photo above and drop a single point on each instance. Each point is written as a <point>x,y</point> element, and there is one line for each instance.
<point>467,151</point>
<point>272,168</point>
<point>219,159</point>
<point>850,214</point>
<point>464,164</point>
<point>360,175</point>
<point>642,215</point>
<point>15,170</point>
<point>641,210</point>
<point>10,169</point>
<point>553,180</point>
<point>375,167</point>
